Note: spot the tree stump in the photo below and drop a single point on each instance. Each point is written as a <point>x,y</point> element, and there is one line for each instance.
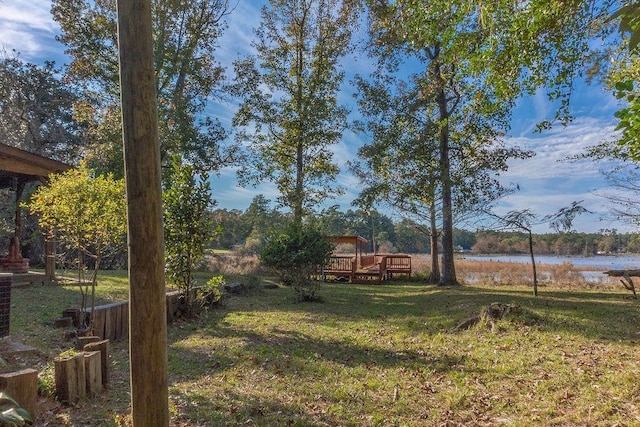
<point>488,314</point>
<point>74,314</point>
<point>63,322</point>
<point>22,386</point>
<point>70,378</point>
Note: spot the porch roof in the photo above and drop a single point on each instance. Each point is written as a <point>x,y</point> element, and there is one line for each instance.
<point>26,166</point>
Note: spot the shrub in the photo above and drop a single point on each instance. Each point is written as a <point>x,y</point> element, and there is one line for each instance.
<point>296,253</point>
<point>211,292</point>
<point>187,226</point>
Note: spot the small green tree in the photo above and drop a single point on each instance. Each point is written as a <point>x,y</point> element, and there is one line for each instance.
<point>296,253</point>
<point>187,226</point>
<point>87,214</point>
<point>525,220</point>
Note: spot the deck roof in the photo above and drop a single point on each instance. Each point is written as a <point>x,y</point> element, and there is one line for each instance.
<point>354,240</point>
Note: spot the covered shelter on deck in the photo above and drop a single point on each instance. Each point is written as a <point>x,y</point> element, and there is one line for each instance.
<point>17,168</point>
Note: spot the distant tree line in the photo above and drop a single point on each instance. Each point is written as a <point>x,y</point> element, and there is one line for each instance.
<point>245,231</point>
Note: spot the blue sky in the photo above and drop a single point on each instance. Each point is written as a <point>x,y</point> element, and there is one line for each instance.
<point>546,182</point>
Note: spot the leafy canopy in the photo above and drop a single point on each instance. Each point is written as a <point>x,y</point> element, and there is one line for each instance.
<point>87,212</point>
<point>289,115</point>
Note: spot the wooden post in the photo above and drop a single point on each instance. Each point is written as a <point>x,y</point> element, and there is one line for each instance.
<point>82,341</point>
<point>147,313</point>
<point>70,379</point>
<point>50,257</point>
<point>93,372</point>
<point>103,348</point>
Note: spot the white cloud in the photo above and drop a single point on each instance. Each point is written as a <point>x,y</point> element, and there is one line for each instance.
<point>237,38</point>
<point>28,30</point>
<point>549,182</point>
<point>554,147</point>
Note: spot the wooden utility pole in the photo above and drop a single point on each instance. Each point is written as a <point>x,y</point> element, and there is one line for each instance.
<point>147,314</point>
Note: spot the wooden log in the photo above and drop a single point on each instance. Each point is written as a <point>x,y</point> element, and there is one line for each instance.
<point>98,323</point>
<point>93,372</point>
<point>70,379</point>
<point>124,321</point>
<point>103,348</point>
<point>626,280</point>
<point>22,386</point>
<point>116,318</point>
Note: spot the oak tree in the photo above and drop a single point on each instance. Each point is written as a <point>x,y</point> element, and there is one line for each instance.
<point>36,110</point>
<point>187,76</point>
<point>477,59</point>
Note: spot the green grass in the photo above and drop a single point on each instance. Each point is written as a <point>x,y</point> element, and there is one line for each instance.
<point>372,355</point>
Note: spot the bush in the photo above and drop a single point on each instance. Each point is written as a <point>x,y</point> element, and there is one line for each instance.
<point>296,253</point>
<point>211,292</point>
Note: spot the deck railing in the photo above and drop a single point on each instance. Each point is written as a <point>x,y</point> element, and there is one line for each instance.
<point>373,267</point>
<point>344,263</point>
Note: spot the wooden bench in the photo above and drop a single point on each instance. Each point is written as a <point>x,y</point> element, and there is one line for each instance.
<point>398,264</point>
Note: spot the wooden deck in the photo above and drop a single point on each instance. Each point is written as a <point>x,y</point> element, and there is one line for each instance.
<point>372,269</point>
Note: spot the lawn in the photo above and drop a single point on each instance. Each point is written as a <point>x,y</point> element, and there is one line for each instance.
<point>367,355</point>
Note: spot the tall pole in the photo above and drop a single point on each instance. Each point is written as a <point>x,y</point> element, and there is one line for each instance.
<point>147,314</point>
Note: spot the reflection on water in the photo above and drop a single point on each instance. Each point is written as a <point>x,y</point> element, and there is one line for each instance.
<point>560,270</point>
<point>604,262</point>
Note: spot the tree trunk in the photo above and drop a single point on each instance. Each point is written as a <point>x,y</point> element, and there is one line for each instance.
<point>533,265</point>
<point>448,268</point>
<point>434,276</point>
<point>147,312</point>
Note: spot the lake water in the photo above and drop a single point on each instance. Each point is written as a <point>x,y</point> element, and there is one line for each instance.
<point>604,262</point>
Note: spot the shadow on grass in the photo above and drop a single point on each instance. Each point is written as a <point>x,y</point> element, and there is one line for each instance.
<point>608,316</point>
<point>238,358</point>
<point>239,409</point>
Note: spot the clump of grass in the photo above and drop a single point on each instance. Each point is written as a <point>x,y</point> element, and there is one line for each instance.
<point>235,264</point>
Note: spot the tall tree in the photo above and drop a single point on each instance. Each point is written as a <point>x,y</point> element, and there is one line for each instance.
<point>290,114</point>
<point>478,58</point>
<point>403,165</point>
<point>36,110</point>
<point>623,75</point>
<point>186,71</point>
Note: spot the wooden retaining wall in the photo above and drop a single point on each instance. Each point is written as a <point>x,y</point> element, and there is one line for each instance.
<point>111,321</point>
